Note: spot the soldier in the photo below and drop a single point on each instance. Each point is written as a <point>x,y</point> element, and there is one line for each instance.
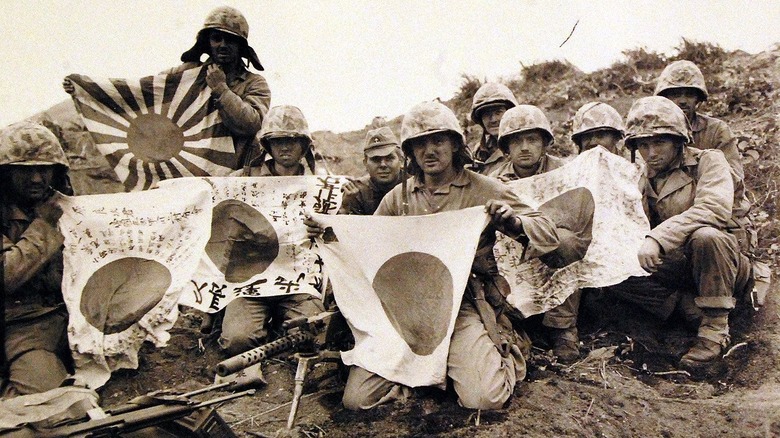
<point>490,102</point>
<point>242,97</point>
<point>484,361</point>
<point>598,124</point>
<point>524,135</point>
<point>689,198</point>
<point>33,168</point>
<point>285,136</point>
<point>383,161</point>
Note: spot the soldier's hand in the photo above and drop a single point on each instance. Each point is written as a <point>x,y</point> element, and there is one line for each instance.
<point>350,190</point>
<point>50,210</point>
<point>650,255</point>
<point>67,85</point>
<point>313,228</point>
<point>503,217</point>
<point>216,79</point>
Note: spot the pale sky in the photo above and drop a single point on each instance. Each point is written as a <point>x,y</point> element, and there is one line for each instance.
<point>344,62</point>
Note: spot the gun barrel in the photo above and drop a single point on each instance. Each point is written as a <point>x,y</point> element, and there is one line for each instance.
<point>255,355</point>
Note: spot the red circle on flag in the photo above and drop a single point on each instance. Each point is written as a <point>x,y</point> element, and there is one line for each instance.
<point>154,137</point>
<point>243,242</point>
<point>119,293</point>
<point>415,290</point>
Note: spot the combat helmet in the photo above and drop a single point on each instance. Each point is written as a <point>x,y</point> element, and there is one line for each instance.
<point>523,118</point>
<point>228,20</point>
<point>655,115</point>
<point>429,118</point>
<point>490,94</point>
<point>31,144</point>
<point>681,74</point>
<point>595,116</point>
<point>284,121</point>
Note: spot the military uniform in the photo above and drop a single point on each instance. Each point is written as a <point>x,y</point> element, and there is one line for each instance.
<point>245,103</point>
<point>482,376</point>
<point>486,154</point>
<point>506,171</point>
<point>689,205</point>
<point>245,323</point>
<point>36,343</point>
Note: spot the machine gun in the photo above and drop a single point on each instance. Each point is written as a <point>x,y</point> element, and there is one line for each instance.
<point>299,339</point>
<point>173,416</point>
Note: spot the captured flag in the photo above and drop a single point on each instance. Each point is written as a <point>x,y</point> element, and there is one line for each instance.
<point>156,127</point>
<point>127,259</point>
<point>596,205</point>
<point>399,281</point>
<point>258,245</point>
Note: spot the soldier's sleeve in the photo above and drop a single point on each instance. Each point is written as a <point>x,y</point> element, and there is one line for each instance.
<point>25,258</point>
<point>712,203</point>
<point>725,141</point>
<point>243,115</point>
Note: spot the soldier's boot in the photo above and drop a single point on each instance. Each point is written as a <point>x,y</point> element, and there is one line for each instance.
<point>713,338</point>
<point>566,344</point>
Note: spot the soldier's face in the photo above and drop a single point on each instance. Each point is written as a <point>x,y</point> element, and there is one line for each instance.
<point>600,137</point>
<point>526,148</point>
<point>491,118</point>
<point>30,184</point>
<point>659,151</point>
<point>383,169</point>
<point>287,151</point>
<point>686,98</point>
<point>224,47</point>
<point>434,153</point>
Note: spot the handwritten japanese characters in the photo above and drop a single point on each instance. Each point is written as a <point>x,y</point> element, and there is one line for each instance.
<point>258,245</point>
<point>127,259</point>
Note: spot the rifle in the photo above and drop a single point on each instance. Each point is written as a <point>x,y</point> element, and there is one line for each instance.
<point>300,338</point>
<point>166,412</point>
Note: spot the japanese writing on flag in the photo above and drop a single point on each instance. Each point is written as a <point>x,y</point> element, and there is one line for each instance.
<point>127,258</point>
<point>401,296</point>
<point>596,205</point>
<point>155,127</point>
<point>258,245</point>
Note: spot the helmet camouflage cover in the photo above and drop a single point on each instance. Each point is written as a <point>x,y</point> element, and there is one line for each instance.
<point>681,74</point>
<point>655,115</point>
<point>596,116</point>
<point>229,20</point>
<point>28,143</point>
<point>491,93</point>
<point>284,121</point>
<point>520,119</point>
<point>429,118</point>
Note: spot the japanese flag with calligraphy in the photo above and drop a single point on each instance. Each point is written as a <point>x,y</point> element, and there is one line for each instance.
<point>127,259</point>
<point>596,205</point>
<point>155,127</point>
<point>399,281</point>
<point>258,245</point>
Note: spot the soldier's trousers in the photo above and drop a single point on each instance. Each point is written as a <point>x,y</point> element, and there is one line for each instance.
<point>708,265</point>
<point>245,324</point>
<point>482,378</point>
<point>35,349</point>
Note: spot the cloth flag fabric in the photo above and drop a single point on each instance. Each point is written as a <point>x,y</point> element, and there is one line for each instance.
<point>127,258</point>
<point>595,198</point>
<point>258,245</point>
<point>155,127</point>
<point>399,281</point>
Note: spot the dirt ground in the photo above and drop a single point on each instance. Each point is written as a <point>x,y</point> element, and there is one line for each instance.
<point>625,385</point>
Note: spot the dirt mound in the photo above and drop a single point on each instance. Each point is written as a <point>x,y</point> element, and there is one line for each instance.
<point>626,384</point>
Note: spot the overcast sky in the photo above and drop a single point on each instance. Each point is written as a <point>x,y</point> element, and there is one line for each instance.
<point>344,62</point>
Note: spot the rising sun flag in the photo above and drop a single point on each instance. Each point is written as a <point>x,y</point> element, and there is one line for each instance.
<point>155,127</point>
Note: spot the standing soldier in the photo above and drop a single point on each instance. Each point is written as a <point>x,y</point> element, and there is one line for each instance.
<point>32,167</point>
<point>490,102</point>
<point>689,197</point>
<point>285,136</point>
<point>484,361</point>
<point>383,161</point>
<point>598,124</point>
<point>242,97</point>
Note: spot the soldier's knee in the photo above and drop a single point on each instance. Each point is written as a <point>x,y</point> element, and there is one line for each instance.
<point>706,237</point>
<point>234,343</point>
<point>485,398</point>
